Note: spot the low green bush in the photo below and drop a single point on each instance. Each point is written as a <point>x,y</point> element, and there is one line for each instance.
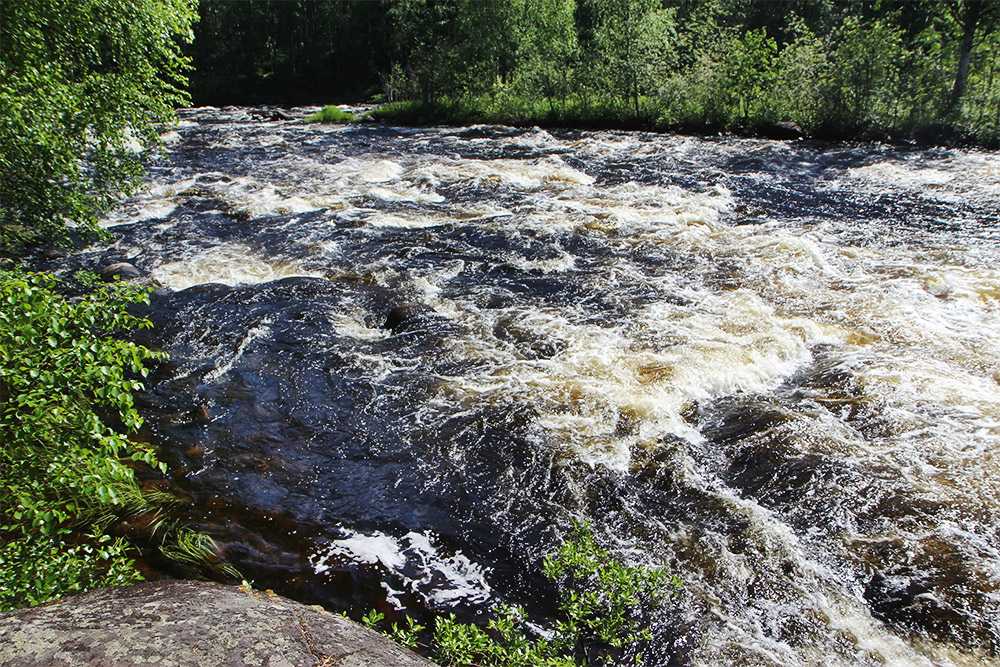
<point>512,110</point>
<point>37,569</point>
<point>65,475</point>
<point>331,114</point>
<point>605,614</point>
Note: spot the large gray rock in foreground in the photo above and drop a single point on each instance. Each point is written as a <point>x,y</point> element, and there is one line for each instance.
<point>181,623</point>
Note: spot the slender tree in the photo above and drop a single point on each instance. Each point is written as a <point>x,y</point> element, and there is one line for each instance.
<point>548,49</point>
<point>971,16</point>
<point>622,40</point>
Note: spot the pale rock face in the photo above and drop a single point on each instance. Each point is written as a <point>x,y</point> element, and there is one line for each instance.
<point>186,623</point>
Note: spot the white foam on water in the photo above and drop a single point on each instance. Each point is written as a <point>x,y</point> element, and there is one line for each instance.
<point>647,373</point>
<point>406,222</point>
<point>536,138</point>
<point>774,624</point>
<point>952,177</point>
<point>560,263</point>
<point>416,563</point>
<point>381,172</point>
<point>904,175</point>
<point>245,196</point>
<point>355,179</point>
<point>350,322</point>
<point>410,194</point>
<point>259,332</point>
<point>230,264</point>
<point>149,211</point>
<point>171,138</point>
<point>255,199</point>
<point>367,549</point>
<point>271,140</point>
<point>426,219</point>
<point>155,200</point>
<point>524,175</point>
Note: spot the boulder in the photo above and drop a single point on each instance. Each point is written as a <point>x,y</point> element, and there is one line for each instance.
<point>55,252</point>
<point>783,130</point>
<point>119,271</point>
<point>186,623</point>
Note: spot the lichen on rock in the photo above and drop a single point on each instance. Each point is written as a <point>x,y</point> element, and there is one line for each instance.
<point>182,623</point>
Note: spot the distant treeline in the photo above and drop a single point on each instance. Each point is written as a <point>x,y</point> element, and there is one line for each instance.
<point>838,68</point>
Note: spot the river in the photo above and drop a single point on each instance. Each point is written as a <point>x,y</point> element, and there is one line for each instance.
<point>405,360</point>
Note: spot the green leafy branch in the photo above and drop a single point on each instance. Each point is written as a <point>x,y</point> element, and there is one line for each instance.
<point>65,475</point>
<point>604,616</point>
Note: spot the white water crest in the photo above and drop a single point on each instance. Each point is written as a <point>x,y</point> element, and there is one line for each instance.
<point>233,264</point>
<point>415,563</point>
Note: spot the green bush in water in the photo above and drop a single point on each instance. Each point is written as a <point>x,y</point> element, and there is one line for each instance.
<point>604,606</point>
<point>330,114</point>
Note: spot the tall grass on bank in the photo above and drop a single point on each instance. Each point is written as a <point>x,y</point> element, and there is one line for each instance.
<point>518,112</point>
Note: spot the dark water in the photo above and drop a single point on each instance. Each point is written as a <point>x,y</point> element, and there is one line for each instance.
<point>404,361</point>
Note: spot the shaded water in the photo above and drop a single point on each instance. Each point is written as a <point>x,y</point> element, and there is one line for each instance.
<point>403,361</point>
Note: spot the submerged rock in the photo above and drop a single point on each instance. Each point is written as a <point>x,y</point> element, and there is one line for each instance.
<point>184,623</point>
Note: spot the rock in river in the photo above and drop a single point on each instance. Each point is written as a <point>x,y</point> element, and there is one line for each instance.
<point>783,131</point>
<point>119,271</point>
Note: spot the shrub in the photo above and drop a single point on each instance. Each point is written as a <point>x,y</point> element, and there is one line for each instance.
<point>330,114</point>
<point>65,475</point>
<point>82,88</point>
<point>605,611</point>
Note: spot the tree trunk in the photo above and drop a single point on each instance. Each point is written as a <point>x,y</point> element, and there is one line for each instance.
<point>970,21</point>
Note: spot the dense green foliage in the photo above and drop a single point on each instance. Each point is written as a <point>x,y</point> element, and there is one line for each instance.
<point>838,68</point>
<point>605,610</point>
<point>65,475</point>
<point>82,86</point>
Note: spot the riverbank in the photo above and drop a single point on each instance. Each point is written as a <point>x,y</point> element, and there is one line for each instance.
<point>608,117</point>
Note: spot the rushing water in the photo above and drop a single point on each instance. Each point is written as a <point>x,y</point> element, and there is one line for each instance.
<point>403,361</point>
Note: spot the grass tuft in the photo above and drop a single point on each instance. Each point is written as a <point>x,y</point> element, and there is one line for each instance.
<point>331,114</point>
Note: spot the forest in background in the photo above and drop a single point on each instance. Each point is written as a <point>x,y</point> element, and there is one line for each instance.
<point>890,68</point>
